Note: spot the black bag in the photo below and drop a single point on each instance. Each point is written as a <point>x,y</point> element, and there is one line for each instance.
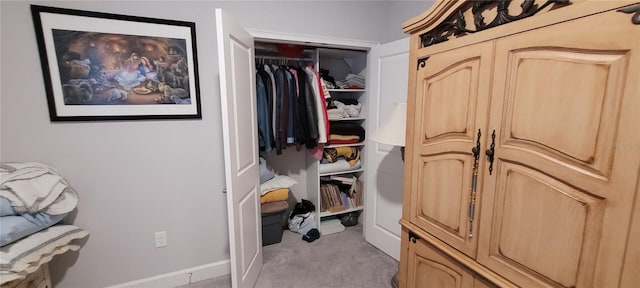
<point>302,207</point>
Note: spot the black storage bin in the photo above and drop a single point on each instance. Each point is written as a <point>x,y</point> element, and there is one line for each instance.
<point>272,228</point>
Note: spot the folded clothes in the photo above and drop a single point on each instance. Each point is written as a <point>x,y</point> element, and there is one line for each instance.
<point>336,114</point>
<point>275,195</point>
<point>340,142</point>
<point>336,137</point>
<point>352,110</point>
<point>347,101</point>
<point>351,154</point>
<point>339,166</point>
<point>347,129</point>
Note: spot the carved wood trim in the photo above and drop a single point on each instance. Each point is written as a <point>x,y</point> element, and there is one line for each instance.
<point>422,62</point>
<point>635,19</point>
<point>456,24</point>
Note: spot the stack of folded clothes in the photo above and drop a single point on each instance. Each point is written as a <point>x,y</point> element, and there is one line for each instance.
<point>339,159</point>
<point>352,81</point>
<point>345,133</point>
<point>344,108</point>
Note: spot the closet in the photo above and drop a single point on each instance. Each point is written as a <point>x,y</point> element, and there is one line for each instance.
<point>522,160</point>
<point>238,53</point>
<point>299,161</point>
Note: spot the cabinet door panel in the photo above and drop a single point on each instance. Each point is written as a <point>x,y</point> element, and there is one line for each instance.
<point>556,209</point>
<point>430,268</point>
<point>452,94</point>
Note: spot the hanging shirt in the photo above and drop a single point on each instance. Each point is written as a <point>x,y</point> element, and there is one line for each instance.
<point>264,133</point>
<point>267,69</point>
<point>308,113</point>
<point>319,102</point>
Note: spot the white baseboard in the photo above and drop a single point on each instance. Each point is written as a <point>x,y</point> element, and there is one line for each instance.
<point>179,278</point>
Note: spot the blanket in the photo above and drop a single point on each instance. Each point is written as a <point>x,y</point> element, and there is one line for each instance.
<point>33,187</point>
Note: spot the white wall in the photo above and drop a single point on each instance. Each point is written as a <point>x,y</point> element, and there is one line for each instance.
<point>138,177</point>
<point>400,11</point>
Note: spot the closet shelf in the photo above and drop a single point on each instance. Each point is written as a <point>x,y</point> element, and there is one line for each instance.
<point>346,90</point>
<point>342,172</point>
<point>345,145</point>
<point>348,119</point>
<point>327,213</point>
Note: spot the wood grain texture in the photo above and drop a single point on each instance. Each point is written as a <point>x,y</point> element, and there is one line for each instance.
<point>560,209</point>
<point>453,97</point>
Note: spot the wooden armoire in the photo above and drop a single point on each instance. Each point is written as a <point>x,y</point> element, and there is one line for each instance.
<point>522,164</point>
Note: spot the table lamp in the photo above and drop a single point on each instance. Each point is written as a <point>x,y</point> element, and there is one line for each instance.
<point>392,132</point>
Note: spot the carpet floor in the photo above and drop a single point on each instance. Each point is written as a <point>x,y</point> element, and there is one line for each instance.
<point>340,260</point>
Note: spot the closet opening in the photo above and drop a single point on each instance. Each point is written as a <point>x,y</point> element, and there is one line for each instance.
<point>321,148</point>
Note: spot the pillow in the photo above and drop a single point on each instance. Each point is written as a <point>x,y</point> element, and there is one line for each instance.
<point>275,195</point>
<point>15,227</point>
<point>266,172</point>
<point>277,182</point>
<point>19,259</point>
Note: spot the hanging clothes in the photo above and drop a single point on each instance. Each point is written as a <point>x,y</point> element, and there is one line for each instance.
<point>272,105</point>
<point>292,109</point>
<point>323,121</point>
<point>308,109</point>
<point>264,127</point>
<point>282,109</point>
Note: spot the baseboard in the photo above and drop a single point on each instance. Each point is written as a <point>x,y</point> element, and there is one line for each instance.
<point>182,277</point>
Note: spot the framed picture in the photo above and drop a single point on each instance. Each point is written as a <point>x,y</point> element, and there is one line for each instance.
<point>100,66</point>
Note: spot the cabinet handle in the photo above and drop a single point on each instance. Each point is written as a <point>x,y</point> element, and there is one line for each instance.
<point>474,184</point>
<point>491,151</point>
<point>413,237</point>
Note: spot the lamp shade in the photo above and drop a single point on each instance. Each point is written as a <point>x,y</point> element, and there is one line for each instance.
<point>392,130</point>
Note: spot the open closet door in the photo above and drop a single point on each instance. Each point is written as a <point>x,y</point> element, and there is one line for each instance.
<point>237,90</point>
<point>388,80</point>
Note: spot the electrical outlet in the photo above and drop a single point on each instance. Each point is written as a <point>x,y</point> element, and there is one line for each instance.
<point>161,239</point>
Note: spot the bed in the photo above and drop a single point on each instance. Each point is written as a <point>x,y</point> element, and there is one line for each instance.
<point>34,201</point>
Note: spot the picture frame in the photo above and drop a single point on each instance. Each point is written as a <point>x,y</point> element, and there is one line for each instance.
<point>100,66</point>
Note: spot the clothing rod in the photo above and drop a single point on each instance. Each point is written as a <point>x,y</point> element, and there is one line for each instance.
<point>283,58</point>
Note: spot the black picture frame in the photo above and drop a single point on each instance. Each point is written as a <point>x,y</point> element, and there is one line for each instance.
<point>100,66</point>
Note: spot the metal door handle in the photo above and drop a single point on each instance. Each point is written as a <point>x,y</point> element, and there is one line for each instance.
<point>491,151</point>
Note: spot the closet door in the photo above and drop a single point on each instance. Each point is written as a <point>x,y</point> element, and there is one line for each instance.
<point>451,102</point>
<point>565,108</point>
<point>387,85</point>
<point>238,98</point>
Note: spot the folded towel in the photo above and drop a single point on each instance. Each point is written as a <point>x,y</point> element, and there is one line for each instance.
<point>34,187</point>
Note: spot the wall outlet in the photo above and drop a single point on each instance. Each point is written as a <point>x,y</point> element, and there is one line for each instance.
<point>161,239</point>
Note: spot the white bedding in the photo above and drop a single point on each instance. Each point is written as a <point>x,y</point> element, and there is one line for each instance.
<point>33,187</point>
<point>25,256</point>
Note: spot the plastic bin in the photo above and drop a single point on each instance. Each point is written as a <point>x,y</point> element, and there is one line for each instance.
<point>272,228</point>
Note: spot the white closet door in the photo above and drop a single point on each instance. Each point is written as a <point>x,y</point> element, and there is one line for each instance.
<point>239,123</point>
<point>388,80</point>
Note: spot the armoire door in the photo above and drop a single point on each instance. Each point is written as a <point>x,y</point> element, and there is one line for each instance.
<point>565,109</point>
<point>387,84</point>
<point>452,97</point>
<point>238,99</point>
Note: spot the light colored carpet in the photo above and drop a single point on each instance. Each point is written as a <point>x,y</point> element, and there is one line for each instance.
<point>340,260</point>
